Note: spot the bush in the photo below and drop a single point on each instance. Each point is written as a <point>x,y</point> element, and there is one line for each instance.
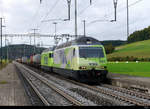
<point>109,48</point>
<point>129,58</point>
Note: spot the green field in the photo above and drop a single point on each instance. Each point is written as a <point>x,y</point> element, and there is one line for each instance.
<point>138,49</point>
<point>141,69</point>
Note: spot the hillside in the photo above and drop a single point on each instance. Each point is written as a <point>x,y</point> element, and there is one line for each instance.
<point>138,49</point>
<point>20,50</point>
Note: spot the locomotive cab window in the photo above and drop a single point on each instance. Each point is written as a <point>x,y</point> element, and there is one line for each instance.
<point>91,52</point>
<point>52,55</point>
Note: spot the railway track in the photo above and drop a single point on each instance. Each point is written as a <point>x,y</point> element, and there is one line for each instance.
<point>113,93</point>
<point>53,87</point>
<point>134,93</point>
<point>135,98</point>
<point>44,101</point>
<point>124,97</point>
<point>132,100</point>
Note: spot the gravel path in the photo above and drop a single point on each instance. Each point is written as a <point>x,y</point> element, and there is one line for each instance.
<point>12,92</point>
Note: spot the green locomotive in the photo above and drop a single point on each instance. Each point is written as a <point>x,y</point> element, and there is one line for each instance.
<point>83,59</point>
<point>47,59</point>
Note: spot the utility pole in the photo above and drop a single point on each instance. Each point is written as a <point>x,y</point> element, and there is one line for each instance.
<point>55,38</point>
<point>30,40</point>
<point>84,28</point>
<point>24,51</point>
<point>7,50</point>
<point>1,40</point>
<point>115,7</point>
<point>76,20</point>
<point>127,19</point>
<point>69,3</point>
<point>55,23</point>
<point>1,54</point>
<point>34,37</point>
<point>30,45</point>
<point>90,2</point>
<point>5,46</point>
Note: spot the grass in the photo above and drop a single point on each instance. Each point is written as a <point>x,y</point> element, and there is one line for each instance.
<point>137,49</point>
<point>3,82</point>
<point>4,63</point>
<point>141,69</point>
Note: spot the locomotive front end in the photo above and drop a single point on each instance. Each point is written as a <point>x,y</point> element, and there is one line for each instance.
<point>92,63</point>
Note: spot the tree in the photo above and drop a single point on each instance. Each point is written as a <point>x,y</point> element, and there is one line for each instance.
<point>109,48</point>
<point>139,35</point>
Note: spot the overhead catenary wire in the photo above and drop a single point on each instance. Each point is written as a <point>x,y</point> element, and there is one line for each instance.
<point>76,17</point>
<point>51,9</point>
<point>95,21</point>
<point>48,13</point>
<point>100,20</point>
<point>82,11</point>
<point>35,16</point>
<point>135,3</point>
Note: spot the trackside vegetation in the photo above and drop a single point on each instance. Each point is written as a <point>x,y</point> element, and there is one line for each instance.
<point>141,69</point>
<point>4,63</point>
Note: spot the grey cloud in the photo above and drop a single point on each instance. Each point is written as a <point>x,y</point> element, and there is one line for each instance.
<point>21,17</point>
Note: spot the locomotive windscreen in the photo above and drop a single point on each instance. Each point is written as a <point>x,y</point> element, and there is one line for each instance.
<point>91,52</point>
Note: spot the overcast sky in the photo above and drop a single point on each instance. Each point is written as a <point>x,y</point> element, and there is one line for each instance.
<point>23,15</point>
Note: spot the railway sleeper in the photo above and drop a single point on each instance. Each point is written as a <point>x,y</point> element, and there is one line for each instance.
<point>131,93</point>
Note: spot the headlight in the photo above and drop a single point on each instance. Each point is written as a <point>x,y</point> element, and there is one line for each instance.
<point>82,67</point>
<point>103,67</point>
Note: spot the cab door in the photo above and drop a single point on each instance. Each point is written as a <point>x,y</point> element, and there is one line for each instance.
<point>50,59</point>
<point>74,59</point>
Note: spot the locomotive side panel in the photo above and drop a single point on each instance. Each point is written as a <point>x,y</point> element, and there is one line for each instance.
<point>66,58</point>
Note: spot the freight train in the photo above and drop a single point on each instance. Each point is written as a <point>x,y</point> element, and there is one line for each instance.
<point>83,59</point>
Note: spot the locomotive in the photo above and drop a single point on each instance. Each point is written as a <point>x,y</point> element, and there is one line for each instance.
<point>83,59</point>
